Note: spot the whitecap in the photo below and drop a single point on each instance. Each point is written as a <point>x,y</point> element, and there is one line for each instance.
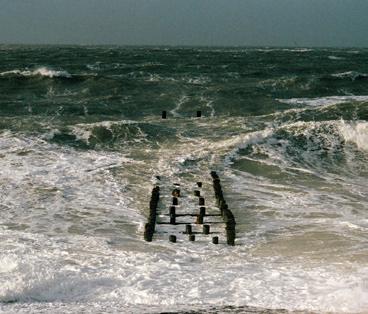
<point>353,75</point>
<point>335,58</point>
<point>41,71</point>
<point>181,101</point>
<point>355,132</point>
<point>323,101</point>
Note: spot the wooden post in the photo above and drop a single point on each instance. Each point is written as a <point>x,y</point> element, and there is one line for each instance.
<point>148,232</point>
<point>164,115</point>
<point>206,229</point>
<point>175,201</point>
<point>172,215</point>
<point>202,211</point>
<point>201,201</point>
<point>188,229</point>
<point>199,219</point>
<point>149,228</point>
<point>172,238</point>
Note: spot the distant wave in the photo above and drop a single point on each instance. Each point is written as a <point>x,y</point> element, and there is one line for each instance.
<point>353,75</point>
<point>323,101</point>
<point>335,58</point>
<point>42,71</point>
<point>284,49</point>
<point>286,82</point>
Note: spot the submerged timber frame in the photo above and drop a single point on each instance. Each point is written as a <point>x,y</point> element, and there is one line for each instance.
<point>201,215</point>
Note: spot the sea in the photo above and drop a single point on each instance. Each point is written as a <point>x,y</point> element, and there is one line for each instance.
<point>83,142</point>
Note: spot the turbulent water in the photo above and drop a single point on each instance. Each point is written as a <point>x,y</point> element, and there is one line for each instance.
<point>82,139</point>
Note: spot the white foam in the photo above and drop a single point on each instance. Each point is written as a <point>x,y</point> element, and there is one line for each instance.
<point>84,131</point>
<point>198,80</point>
<point>355,132</point>
<point>284,83</point>
<point>182,100</point>
<point>47,188</point>
<point>323,101</point>
<point>353,75</point>
<point>72,273</point>
<point>336,58</point>
<point>8,263</point>
<point>209,104</point>
<point>297,50</point>
<point>42,71</point>
<point>241,142</point>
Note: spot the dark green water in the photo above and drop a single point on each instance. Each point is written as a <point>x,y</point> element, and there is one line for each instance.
<point>82,139</point>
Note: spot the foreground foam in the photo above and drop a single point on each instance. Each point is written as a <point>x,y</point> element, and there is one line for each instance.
<point>82,271</point>
<point>61,190</point>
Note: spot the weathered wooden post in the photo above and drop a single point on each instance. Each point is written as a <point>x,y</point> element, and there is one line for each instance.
<point>230,226</point>
<point>172,215</point>
<point>148,232</point>
<point>197,193</point>
<point>215,240</point>
<point>175,201</point>
<point>172,238</point>
<point>206,229</point>
<point>201,201</point>
<point>199,220</point>
<point>192,237</point>
<point>149,228</point>
<point>188,229</point>
<point>202,211</point>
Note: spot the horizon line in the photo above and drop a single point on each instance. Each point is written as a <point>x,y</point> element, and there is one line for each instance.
<point>181,46</point>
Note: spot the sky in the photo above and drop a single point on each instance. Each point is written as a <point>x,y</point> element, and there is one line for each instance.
<point>336,23</point>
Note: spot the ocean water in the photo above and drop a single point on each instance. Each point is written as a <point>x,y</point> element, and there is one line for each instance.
<point>81,144</point>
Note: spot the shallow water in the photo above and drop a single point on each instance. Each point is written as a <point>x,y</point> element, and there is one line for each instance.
<point>82,139</point>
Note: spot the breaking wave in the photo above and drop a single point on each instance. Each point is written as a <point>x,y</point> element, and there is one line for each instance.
<point>323,101</point>
<point>317,147</point>
<point>42,72</point>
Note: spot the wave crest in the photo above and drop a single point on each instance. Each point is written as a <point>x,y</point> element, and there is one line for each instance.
<point>323,101</point>
<point>41,71</point>
<point>356,133</point>
<point>352,75</point>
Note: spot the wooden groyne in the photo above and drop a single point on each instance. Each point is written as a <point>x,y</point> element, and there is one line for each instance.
<point>226,213</point>
<point>150,226</point>
<point>188,216</point>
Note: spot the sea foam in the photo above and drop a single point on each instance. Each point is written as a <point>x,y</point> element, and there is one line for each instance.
<point>41,71</point>
<point>353,75</point>
<point>356,132</point>
<point>323,101</point>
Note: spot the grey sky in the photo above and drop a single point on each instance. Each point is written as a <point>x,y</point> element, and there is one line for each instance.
<point>186,22</point>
